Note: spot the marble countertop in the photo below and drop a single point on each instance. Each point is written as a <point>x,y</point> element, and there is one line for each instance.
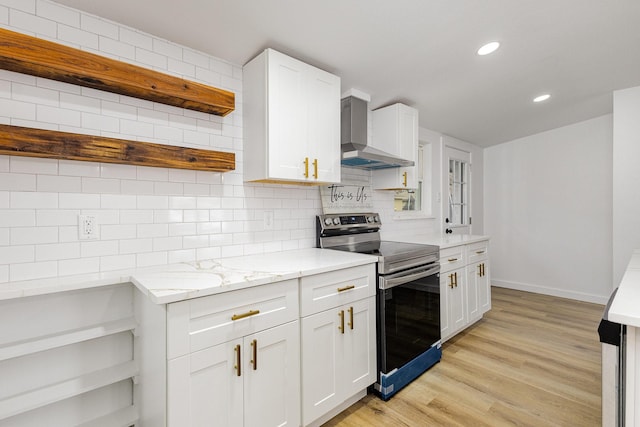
<point>176,282</point>
<point>625,308</point>
<point>446,241</point>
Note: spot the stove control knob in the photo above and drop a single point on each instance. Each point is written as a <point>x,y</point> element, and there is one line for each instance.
<point>369,219</point>
<point>327,221</point>
<point>336,221</point>
<point>376,218</point>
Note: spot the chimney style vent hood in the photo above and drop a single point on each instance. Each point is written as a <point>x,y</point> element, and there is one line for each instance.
<point>353,134</point>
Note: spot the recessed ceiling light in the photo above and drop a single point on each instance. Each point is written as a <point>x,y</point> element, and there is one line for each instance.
<point>541,98</point>
<point>488,48</point>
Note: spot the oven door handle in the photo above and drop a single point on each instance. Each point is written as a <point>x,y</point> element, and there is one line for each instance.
<point>406,278</point>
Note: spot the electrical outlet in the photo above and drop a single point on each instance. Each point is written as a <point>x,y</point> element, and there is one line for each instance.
<point>268,220</point>
<point>87,227</point>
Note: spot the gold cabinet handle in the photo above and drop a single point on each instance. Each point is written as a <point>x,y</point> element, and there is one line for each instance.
<point>351,318</point>
<point>455,279</point>
<point>346,288</point>
<point>315,168</point>
<point>404,181</point>
<point>451,281</point>
<point>483,272</point>
<point>306,167</point>
<point>238,360</point>
<point>479,252</point>
<point>452,259</point>
<point>341,327</point>
<point>480,270</point>
<point>243,315</point>
<point>254,347</point>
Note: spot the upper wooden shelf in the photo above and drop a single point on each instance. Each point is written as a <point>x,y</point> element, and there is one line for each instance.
<point>30,55</point>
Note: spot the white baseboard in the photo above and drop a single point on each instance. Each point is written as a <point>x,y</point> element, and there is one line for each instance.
<point>563,293</point>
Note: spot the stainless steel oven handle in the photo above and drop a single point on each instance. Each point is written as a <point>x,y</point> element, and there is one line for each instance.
<point>402,279</point>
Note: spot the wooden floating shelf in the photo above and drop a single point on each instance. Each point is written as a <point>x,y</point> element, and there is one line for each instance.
<point>30,142</point>
<point>30,55</point>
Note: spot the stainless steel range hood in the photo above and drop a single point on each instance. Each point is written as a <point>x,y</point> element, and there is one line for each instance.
<point>355,151</point>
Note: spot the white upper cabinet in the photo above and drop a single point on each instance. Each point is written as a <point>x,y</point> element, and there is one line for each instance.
<point>291,121</point>
<point>395,131</point>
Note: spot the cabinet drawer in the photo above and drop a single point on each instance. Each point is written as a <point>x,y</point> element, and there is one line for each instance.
<point>478,251</point>
<point>452,258</point>
<point>199,323</point>
<point>327,290</point>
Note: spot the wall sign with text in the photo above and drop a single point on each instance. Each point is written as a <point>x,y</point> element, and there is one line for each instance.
<point>346,198</point>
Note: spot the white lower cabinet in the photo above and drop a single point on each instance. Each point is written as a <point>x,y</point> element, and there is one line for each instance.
<point>231,359</point>
<point>465,286</point>
<point>248,381</point>
<point>338,343</point>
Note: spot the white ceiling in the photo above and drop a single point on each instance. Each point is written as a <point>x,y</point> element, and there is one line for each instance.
<point>422,52</point>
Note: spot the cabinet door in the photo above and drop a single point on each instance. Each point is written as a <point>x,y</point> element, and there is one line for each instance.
<point>205,388</point>
<point>474,278</point>
<point>453,315</point>
<point>272,377</point>
<point>484,288</point>
<point>322,349</point>
<point>287,116</point>
<point>360,363</point>
<point>323,137</point>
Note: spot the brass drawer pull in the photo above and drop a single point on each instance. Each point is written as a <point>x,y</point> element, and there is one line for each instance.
<point>254,346</point>
<point>346,288</point>
<point>350,317</point>
<point>243,315</point>
<point>315,168</point>
<point>341,327</point>
<point>306,167</point>
<point>238,361</point>
<point>479,252</point>
<point>452,259</point>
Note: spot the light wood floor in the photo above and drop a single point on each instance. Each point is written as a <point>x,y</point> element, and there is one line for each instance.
<point>533,360</point>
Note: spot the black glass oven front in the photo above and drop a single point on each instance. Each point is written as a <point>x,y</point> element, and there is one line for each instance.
<point>408,315</point>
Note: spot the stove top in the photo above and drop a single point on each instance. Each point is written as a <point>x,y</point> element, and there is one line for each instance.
<point>360,233</point>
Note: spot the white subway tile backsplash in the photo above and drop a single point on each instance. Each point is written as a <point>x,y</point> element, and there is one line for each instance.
<point>98,248</point>
<point>57,217</point>
<point>166,48</point>
<point>136,216</point>
<point>76,168</point>
<point>167,216</point>
<point>150,59</point>
<point>152,230</point>
<point>32,270</point>
<point>208,253</point>
<point>32,23</point>
<point>136,38</point>
<point>60,116</point>
<point>28,6</point>
<point>113,232</point>
<point>99,26</point>
<point>61,184</point>
<point>182,229</point>
<point>78,266</point>
<point>167,243</point>
<point>57,251</point>
<point>100,185</point>
<point>182,202</point>
<point>17,182</point>
<point>17,218</point>
<point>100,122</point>
<point>117,201</point>
<point>25,200</point>
<point>196,189</point>
<point>33,165</point>
<point>134,246</point>
<point>168,188</point>
<point>4,163</point>
<point>152,202</point>
<point>151,259</point>
<point>34,94</point>
<point>79,201</point>
<point>184,255</point>
<point>182,68</point>
<point>16,254</point>
<point>17,109</point>
<point>4,236</point>
<point>116,48</point>
<point>117,262</point>
<point>58,13</point>
<point>116,109</point>
<point>136,187</point>
<point>75,36</point>
<point>113,170</point>
<point>33,235</point>
<point>4,269</point>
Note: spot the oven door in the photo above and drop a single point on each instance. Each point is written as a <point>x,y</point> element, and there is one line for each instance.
<point>408,305</point>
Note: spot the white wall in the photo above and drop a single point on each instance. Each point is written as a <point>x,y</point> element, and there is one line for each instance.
<point>548,211</point>
<point>626,178</point>
<point>146,216</point>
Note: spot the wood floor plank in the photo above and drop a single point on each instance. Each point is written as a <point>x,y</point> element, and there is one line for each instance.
<point>533,360</point>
